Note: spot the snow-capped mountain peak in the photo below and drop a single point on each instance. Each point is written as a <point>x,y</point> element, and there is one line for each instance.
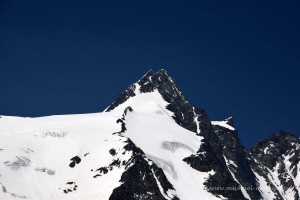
<point>149,144</point>
<point>159,82</point>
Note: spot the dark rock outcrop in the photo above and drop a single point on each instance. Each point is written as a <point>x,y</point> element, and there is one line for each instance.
<point>209,156</point>
<point>221,152</point>
<point>142,176</point>
<point>236,157</point>
<point>276,159</point>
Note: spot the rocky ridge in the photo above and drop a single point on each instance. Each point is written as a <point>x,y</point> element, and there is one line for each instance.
<point>221,150</point>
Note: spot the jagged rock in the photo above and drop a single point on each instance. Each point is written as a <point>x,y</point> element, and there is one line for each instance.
<point>236,158</point>
<point>192,118</point>
<point>141,177</point>
<point>121,157</point>
<point>276,159</point>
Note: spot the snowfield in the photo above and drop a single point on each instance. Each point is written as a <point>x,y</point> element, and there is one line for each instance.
<point>57,157</point>
<point>36,153</point>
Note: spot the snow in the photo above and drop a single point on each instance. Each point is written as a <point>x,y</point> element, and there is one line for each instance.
<point>289,169</point>
<point>266,150</point>
<point>223,124</point>
<point>170,193</point>
<point>230,162</point>
<point>264,187</point>
<point>151,103</point>
<point>273,176</point>
<point>222,197</point>
<point>37,151</point>
<point>30,146</point>
<point>152,128</point>
<point>196,121</point>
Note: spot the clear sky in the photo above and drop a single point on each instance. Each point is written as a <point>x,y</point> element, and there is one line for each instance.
<point>239,58</point>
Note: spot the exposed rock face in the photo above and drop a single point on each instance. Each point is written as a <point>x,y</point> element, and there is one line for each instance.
<point>139,180</point>
<point>236,158</point>
<point>209,156</point>
<point>184,112</point>
<point>276,159</point>
<point>166,86</point>
<point>151,144</point>
<point>142,178</point>
<point>221,150</point>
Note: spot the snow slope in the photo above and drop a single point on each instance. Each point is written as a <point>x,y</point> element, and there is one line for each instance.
<point>39,155</point>
<point>152,129</point>
<point>36,153</point>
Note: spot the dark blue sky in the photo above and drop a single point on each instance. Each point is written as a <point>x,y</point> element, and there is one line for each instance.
<point>239,58</point>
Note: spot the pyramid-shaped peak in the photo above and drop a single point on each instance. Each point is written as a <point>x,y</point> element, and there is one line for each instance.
<point>282,135</point>
<point>163,83</point>
<point>161,72</point>
<point>159,81</point>
<point>161,75</point>
<point>149,74</point>
<point>281,139</point>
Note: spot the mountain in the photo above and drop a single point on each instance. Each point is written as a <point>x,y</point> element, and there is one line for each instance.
<point>149,144</point>
<point>275,162</point>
